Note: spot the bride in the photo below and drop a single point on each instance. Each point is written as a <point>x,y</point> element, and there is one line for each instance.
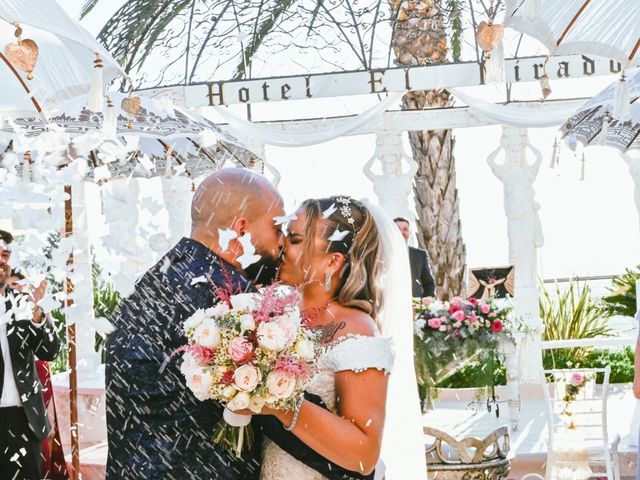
<point>351,266</point>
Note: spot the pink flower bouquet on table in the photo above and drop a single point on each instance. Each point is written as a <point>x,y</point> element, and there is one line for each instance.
<point>452,334</point>
<point>250,350</point>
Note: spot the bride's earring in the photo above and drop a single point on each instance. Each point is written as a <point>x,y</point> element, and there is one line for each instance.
<point>327,282</point>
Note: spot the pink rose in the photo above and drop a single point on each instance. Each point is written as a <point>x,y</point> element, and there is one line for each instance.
<point>246,378</point>
<point>458,316</point>
<point>240,350</point>
<point>434,323</point>
<point>485,308</point>
<point>577,379</point>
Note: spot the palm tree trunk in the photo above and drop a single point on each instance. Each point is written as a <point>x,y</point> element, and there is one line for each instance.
<point>420,38</point>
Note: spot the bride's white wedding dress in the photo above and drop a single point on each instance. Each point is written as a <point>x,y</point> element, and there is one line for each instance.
<point>352,352</point>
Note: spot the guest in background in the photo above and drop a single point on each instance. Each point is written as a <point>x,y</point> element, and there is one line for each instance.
<point>54,466</point>
<point>25,332</point>
<point>421,277</point>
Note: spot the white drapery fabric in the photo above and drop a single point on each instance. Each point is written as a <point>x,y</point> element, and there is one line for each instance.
<point>255,133</point>
<point>65,61</point>
<point>606,29</point>
<point>527,116</point>
<point>403,439</point>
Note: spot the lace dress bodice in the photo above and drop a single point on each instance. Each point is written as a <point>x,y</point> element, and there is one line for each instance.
<point>353,352</point>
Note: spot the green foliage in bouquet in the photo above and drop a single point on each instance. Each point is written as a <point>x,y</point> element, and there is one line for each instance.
<point>451,335</point>
<point>567,315</point>
<point>622,294</point>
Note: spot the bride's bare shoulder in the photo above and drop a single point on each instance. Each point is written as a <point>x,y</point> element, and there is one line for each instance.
<point>354,322</point>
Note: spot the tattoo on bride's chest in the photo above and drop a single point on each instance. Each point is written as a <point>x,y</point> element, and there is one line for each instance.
<point>326,333</point>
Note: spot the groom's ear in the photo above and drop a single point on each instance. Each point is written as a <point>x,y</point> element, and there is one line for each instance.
<point>240,226</point>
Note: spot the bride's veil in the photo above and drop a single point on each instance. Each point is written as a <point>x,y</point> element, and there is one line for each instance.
<point>403,440</point>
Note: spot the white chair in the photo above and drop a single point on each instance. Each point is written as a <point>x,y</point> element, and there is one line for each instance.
<point>589,416</point>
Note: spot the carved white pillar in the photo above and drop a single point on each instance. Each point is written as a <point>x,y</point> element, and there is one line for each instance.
<point>394,186</point>
<point>510,352</point>
<point>633,162</point>
<point>525,236</point>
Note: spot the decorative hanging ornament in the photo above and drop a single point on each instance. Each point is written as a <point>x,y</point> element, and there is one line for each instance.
<point>96,98</point>
<point>489,37</point>
<point>131,105</point>
<point>622,104</point>
<point>110,121</point>
<point>544,85</point>
<point>582,168</point>
<point>22,54</point>
<point>606,120</point>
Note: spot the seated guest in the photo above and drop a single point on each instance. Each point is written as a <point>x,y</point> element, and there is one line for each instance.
<point>25,333</point>
<point>421,278</point>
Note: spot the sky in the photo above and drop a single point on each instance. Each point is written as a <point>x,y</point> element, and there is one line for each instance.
<point>591,227</point>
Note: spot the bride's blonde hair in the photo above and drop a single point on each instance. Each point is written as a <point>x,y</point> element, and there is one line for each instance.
<point>356,237</point>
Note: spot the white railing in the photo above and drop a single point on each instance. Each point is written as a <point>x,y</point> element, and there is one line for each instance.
<point>598,342</point>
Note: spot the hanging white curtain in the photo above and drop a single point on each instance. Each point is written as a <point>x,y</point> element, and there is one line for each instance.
<point>257,133</point>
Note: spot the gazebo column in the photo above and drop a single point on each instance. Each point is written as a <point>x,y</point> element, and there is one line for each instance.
<point>81,313</point>
<point>394,186</point>
<point>525,236</point>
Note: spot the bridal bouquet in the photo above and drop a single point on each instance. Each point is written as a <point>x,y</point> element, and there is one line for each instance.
<point>249,351</point>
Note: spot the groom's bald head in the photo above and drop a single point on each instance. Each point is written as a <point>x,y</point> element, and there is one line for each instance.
<point>229,194</point>
<point>240,200</point>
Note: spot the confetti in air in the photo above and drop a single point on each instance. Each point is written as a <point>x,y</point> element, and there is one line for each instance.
<point>338,236</point>
<point>225,236</point>
<point>281,220</point>
<point>249,256</point>
<point>329,211</point>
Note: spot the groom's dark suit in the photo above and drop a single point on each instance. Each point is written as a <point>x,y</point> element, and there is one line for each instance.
<point>157,429</point>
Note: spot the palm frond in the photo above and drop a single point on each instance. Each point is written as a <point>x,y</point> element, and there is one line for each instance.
<point>131,32</point>
<point>622,294</point>
<point>264,28</point>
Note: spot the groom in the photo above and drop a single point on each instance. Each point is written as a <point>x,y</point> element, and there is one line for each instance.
<point>157,429</point>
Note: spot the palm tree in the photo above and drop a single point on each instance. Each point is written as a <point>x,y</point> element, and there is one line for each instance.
<point>419,38</point>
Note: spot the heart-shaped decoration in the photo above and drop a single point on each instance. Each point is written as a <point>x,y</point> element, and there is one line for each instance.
<point>131,105</point>
<point>23,55</point>
<point>489,35</point>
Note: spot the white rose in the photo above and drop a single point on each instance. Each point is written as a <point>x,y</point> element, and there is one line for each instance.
<point>305,349</point>
<point>228,392</point>
<point>281,384</point>
<point>244,301</point>
<point>207,333</point>
<point>189,364</point>
<point>289,328</point>
<point>247,323</point>
<point>199,382</point>
<point>271,336</point>
<point>256,404</point>
<point>239,402</point>
<point>217,310</point>
<point>246,378</point>
<point>194,320</point>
